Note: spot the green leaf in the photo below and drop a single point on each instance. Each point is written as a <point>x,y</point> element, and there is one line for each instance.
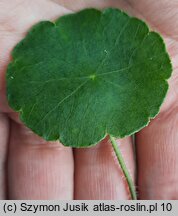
<point>87,75</point>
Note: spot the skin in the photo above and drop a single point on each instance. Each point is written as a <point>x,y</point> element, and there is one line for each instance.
<point>31,168</point>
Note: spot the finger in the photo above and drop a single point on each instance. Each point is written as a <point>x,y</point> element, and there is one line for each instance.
<point>165,21</point>
<point>157,153</point>
<point>38,169</point>
<point>156,145</point>
<point>98,174</point>
<point>4,134</point>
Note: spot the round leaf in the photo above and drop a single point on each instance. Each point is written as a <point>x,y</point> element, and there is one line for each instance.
<point>87,75</point>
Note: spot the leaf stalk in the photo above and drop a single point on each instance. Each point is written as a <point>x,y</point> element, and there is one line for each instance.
<point>124,168</point>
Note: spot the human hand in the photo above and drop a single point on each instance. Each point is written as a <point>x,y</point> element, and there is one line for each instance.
<point>31,168</point>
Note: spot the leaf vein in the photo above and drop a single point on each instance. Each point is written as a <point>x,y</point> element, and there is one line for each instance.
<point>60,102</point>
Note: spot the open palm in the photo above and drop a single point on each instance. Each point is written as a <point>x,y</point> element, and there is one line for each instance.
<point>31,168</point>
